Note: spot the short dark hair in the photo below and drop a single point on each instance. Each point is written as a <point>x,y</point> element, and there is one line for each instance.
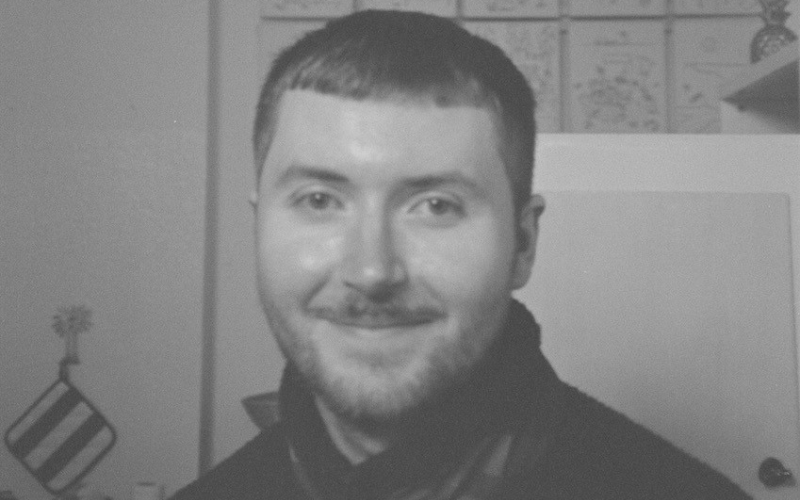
<point>407,57</point>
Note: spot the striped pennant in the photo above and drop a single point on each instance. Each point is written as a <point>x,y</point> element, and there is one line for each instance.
<point>60,438</point>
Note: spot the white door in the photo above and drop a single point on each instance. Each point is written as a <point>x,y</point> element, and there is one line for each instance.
<point>676,309</point>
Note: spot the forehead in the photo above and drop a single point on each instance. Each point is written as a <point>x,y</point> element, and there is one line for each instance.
<point>312,127</point>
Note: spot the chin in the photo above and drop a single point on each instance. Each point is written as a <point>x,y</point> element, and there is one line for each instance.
<point>373,400</point>
<point>384,394</point>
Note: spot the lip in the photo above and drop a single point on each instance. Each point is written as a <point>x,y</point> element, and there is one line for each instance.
<point>379,320</point>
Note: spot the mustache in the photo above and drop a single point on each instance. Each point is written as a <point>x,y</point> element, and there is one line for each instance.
<point>362,312</point>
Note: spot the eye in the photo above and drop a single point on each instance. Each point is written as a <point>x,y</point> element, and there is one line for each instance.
<point>317,201</point>
<point>439,206</point>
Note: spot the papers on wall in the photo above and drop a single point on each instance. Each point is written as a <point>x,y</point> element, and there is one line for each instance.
<point>716,6</point>
<point>510,8</point>
<point>533,47</point>
<point>707,52</point>
<point>602,66</point>
<point>631,8</point>
<point>445,8</point>
<point>305,8</point>
<point>618,74</point>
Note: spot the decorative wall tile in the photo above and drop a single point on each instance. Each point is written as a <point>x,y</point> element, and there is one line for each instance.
<point>510,8</point>
<point>707,53</point>
<point>617,71</point>
<point>630,8</point>
<point>618,55</point>
<point>305,8</point>
<point>716,6</point>
<point>534,48</point>
<point>445,8</point>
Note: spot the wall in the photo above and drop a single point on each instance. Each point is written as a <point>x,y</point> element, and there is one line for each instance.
<point>247,359</point>
<point>102,171</point>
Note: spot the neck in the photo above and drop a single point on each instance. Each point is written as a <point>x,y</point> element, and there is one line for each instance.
<point>357,441</point>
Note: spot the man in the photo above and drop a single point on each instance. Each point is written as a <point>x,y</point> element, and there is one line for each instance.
<point>394,218</point>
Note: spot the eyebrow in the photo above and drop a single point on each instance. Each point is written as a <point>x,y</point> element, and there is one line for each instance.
<point>295,172</point>
<point>424,182</point>
<point>417,183</point>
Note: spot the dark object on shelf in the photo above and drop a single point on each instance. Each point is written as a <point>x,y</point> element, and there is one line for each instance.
<point>772,473</point>
<point>774,34</point>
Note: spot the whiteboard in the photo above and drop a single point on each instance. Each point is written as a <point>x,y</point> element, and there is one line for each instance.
<point>676,308</point>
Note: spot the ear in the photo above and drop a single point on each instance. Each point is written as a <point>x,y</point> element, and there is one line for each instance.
<point>527,233</point>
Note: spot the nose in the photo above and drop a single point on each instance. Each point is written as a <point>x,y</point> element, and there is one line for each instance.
<point>374,264</point>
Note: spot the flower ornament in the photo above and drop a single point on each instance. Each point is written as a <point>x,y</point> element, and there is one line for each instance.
<point>68,324</point>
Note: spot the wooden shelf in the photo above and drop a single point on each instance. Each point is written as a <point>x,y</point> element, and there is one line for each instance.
<point>774,78</point>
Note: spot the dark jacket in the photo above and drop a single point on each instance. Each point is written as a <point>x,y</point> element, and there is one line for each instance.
<point>567,445</point>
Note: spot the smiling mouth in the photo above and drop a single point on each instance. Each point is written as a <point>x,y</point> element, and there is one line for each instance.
<point>376,317</point>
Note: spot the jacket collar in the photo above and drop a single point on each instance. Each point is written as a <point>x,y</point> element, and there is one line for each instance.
<point>505,389</point>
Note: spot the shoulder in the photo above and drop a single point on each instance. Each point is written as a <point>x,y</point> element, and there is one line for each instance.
<point>258,470</point>
<point>596,452</point>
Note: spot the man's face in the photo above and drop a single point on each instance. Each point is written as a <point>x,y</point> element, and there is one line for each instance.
<point>386,247</point>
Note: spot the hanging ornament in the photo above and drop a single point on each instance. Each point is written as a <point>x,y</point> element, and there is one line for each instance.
<point>68,324</point>
<point>62,436</point>
<point>774,34</point>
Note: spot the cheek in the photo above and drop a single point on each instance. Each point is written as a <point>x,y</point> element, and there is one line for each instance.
<point>293,258</point>
<point>470,268</point>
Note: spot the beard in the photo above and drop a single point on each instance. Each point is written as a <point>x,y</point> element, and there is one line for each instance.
<point>383,386</point>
